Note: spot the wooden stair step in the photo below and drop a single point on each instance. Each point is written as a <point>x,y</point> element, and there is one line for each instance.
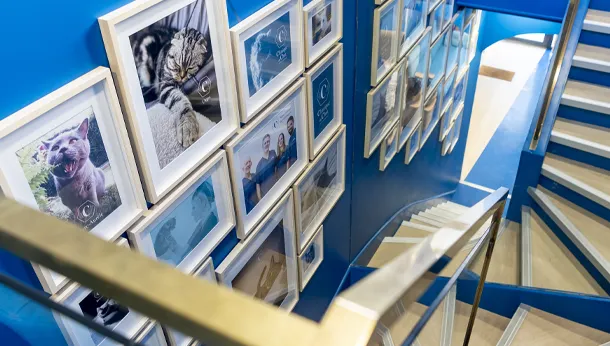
<point>592,97</point>
<point>391,248</point>
<point>488,327</point>
<point>597,21</point>
<point>589,138</point>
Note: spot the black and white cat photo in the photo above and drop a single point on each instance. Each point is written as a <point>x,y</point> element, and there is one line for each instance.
<point>175,66</point>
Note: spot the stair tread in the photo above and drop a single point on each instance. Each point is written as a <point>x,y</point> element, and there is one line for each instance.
<point>588,93</point>
<point>594,228</point>
<point>458,209</point>
<point>488,327</point>
<point>542,328</point>
<point>445,214</point>
<point>387,252</point>
<point>453,213</point>
<point>426,221</point>
<point>435,217</point>
<point>554,266</point>
<point>598,21</point>
<point>592,57</point>
<point>504,267</point>
<point>584,131</point>
<point>594,177</point>
<point>431,333</point>
<point>406,231</point>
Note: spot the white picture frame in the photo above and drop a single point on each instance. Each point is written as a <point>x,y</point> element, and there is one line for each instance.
<point>413,20</point>
<point>256,192</point>
<point>448,15</point>
<point>414,89</point>
<point>446,120</point>
<point>389,148</point>
<point>311,258</point>
<point>474,40</point>
<point>258,246</point>
<point>437,62</point>
<point>458,128</point>
<point>169,140</point>
<point>385,40</point>
<point>448,140</point>
<point>435,20</point>
<point>413,144</point>
<point>432,5</point>
<point>86,302</point>
<point>453,42</point>
<point>324,99</point>
<point>319,188</point>
<point>321,32</point>
<point>449,89</point>
<point>206,272</point>
<point>151,335</point>
<point>282,20</point>
<point>172,231</point>
<point>432,113</point>
<point>461,87</point>
<point>79,127</point>
<point>466,40</point>
<point>380,119</point>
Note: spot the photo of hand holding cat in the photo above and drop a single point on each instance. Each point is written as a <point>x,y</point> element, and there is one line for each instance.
<point>322,24</point>
<point>69,173</point>
<point>175,66</point>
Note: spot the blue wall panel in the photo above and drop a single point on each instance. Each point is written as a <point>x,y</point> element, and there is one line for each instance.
<point>553,10</point>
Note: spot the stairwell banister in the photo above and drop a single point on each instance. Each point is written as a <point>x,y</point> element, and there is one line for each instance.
<point>218,315</point>
<point>551,83</point>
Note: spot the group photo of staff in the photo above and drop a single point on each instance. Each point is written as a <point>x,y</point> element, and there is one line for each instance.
<point>267,154</point>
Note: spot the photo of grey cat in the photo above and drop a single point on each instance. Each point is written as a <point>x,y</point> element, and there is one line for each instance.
<point>175,66</point>
<point>69,172</point>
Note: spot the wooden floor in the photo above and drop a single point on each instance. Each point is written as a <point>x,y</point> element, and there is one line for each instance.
<point>543,329</point>
<point>488,327</point>
<point>431,333</point>
<point>504,266</point>
<point>553,266</point>
<point>595,177</point>
<point>387,252</point>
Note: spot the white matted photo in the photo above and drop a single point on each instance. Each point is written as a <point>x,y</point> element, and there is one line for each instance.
<point>382,109</point>
<point>206,272</point>
<point>459,95</point>
<point>319,188</point>
<point>323,27</point>
<point>454,41</point>
<point>389,148</point>
<point>68,155</point>
<point>414,89</point>
<point>446,121</point>
<point>265,265</point>
<point>457,129</point>
<point>432,113</point>
<point>413,144</point>
<point>437,61</point>
<point>267,156</point>
<point>268,54</point>
<point>466,41</point>
<point>448,89</point>
<point>413,19</point>
<point>176,82</point>
<point>188,224</point>
<point>385,40</point>
<point>311,258</point>
<point>324,99</point>
<point>448,140</point>
<point>151,335</point>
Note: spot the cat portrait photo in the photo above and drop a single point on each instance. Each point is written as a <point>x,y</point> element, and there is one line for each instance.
<point>413,23</point>
<point>385,40</point>
<point>321,23</point>
<point>264,266</point>
<point>104,311</point>
<point>69,173</point>
<point>319,188</point>
<point>268,53</point>
<point>175,65</point>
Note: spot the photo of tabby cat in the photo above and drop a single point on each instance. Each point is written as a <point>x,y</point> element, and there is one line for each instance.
<point>69,172</point>
<point>175,66</point>
<point>322,24</point>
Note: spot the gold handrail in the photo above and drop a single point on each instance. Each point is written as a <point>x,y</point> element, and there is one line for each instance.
<point>558,59</point>
<point>217,315</point>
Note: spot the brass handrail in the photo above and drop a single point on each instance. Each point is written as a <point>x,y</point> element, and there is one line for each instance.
<point>558,59</point>
<point>217,315</point>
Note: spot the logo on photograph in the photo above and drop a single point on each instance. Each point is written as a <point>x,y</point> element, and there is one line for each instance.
<point>205,86</point>
<point>323,91</point>
<point>281,37</point>
<point>86,211</point>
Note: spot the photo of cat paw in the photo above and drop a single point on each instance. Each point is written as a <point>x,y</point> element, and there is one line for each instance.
<point>187,130</point>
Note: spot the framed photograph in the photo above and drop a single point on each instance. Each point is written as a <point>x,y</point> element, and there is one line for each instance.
<point>432,113</point>
<point>311,258</point>
<point>436,19</point>
<point>448,139</point>
<point>382,109</point>
<point>190,222</point>
<point>464,61</point>
<point>453,43</point>
<point>432,4</point>
<point>414,88</point>
<point>458,128</point>
<point>175,78</point>
<point>446,121</point>
<point>265,265</point>
<point>206,272</point>
<point>151,335</point>
<point>474,40</point>
<point>323,27</point>
<point>448,89</point>
<point>413,144</point>
<point>102,310</point>
<point>68,155</point>
<point>385,40</point>
<point>389,148</point>
<point>319,188</point>
<point>267,156</point>
<point>459,95</point>
<point>413,18</point>
<point>269,54</point>
<point>448,15</point>
<point>324,99</point>
<point>437,62</point>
